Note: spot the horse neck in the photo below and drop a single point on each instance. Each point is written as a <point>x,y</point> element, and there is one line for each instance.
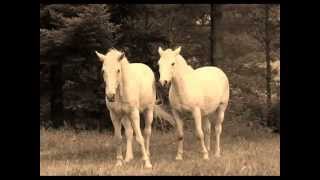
<point>125,79</point>
<point>184,66</point>
<point>181,69</point>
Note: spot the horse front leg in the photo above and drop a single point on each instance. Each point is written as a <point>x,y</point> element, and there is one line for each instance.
<point>135,121</point>
<point>148,128</point>
<point>129,135</point>
<point>179,124</point>
<point>197,119</point>
<point>117,137</point>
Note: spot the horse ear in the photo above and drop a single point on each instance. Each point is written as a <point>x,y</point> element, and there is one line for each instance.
<point>160,50</point>
<point>121,57</point>
<point>177,51</point>
<point>101,56</point>
<point>110,49</point>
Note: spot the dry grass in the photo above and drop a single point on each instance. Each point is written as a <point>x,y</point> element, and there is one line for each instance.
<point>245,151</point>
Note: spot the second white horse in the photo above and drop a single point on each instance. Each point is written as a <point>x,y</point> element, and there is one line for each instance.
<point>204,92</point>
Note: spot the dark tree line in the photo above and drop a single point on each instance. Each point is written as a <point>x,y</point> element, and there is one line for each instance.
<point>70,80</point>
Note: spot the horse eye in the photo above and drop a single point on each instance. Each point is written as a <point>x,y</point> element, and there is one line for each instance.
<point>172,64</point>
<point>118,70</point>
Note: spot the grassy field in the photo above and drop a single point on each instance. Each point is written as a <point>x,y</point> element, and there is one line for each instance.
<point>246,150</point>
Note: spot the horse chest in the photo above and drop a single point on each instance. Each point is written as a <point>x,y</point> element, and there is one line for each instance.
<point>181,101</point>
<point>119,108</point>
<point>178,103</point>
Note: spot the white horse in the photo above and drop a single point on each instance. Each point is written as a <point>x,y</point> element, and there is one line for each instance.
<point>130,89</point>
<point>204,92</point>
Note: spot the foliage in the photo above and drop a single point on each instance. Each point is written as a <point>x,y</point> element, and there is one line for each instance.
<point>70,33</point>
<point>74,30</point>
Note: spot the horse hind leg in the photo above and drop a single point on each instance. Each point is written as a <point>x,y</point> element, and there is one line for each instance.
<point>148,128</point>
<point>218,128</point>
<point>207,132</point>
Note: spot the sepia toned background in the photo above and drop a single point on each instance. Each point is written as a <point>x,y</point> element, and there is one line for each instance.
<point>76,130</point>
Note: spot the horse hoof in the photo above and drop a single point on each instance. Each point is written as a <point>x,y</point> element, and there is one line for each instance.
<point>206,157</point>
<point>119,163</point>
<point>126,160</point>
<point>148,165</point>
<point>179,158</point>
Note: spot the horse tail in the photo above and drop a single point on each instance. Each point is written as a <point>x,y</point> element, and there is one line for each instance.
<point>161,113</point>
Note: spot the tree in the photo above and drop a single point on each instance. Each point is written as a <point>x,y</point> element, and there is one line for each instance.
<point>268,60</point>
<point>216,40</point>
<point>139,32</point>
<point>68,33</point>
<point>187,25</point>
<point>267,23</point>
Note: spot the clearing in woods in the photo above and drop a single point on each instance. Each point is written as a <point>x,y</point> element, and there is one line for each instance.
<point>246,150</point>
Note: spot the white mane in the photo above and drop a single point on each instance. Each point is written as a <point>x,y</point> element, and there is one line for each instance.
<point>183,64</point>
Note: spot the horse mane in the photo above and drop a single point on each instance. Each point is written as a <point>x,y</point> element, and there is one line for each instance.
<point>116,53</point>
<point>113,50</point>
<point>183,62</point>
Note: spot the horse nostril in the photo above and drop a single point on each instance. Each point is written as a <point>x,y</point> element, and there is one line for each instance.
<point>165,82</point>
<point>111,97</point>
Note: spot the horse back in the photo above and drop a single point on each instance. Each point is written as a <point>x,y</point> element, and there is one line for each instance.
<point>212,87</point>
<point>211,74</point>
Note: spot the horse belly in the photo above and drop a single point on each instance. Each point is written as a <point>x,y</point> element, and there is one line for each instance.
<point>147,96</point>
<point>209,107</point>
<point>212,91</point>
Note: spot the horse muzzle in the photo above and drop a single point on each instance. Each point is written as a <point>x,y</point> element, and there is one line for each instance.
<point>111,97</point>
<point>165,83</point>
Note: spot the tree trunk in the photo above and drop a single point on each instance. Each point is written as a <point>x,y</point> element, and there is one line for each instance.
<point>268,69</point>
<point>212,9</point>
<point>170,32</point>
<point>216,40</point>
<point>56,98</point>
<point>146,22</point>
